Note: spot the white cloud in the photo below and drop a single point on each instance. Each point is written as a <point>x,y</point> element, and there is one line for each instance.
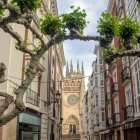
<point>85,52</point>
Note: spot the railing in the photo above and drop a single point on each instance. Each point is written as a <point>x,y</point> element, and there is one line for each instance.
<point>109,122</point>
<point>125,74</point>
<point>116,118</point>
<point>32,98</point>
<point>128,112</point>
<point>106,73</point>
<point>115,87</point>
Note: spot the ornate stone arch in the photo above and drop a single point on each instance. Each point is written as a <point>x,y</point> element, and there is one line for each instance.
<point>71,125</point>
<point>72,119</point>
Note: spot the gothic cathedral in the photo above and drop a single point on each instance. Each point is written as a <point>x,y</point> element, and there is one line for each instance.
<point>73,92</point>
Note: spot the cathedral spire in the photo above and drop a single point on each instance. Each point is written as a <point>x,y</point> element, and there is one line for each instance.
<point>71,67</point>
<point>67,68</point>
<point>78,70</point>
<point>82,68</point>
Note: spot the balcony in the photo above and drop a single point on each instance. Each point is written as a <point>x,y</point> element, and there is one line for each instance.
<point>108,97</point>
<point>116,118</point>
<point>96,127</point>
<point>109,122</point>
<point>106,74</point>
<point>115,88</point>
<point>32,98</point>
<point>128,112</point>
<point>125,75</point>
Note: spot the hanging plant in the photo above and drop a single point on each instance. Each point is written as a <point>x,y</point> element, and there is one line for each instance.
<point>107,28</point>
<point>75,20</point>
<point>129,31</point>
<point>51,25</point>
<point>25,5</point>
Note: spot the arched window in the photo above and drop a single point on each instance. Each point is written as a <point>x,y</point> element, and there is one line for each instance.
<point>70,129</point>
<point>74,129</point>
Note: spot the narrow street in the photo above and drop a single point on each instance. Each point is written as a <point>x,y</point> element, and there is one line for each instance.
<point>69,70</point>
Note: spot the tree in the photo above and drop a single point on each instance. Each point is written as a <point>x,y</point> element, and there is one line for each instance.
<point>58,29</point>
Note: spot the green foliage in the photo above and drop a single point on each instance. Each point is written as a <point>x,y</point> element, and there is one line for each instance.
<point>1,13</point>
<point>17,46</point>
<point>108,25</point>
<point>75,20</point>
<point>108,52</point>
<point>139,5</point>
<point>51,25</point>
<point>26,72</point>
<point>129,31</point>
<point>23,4</point>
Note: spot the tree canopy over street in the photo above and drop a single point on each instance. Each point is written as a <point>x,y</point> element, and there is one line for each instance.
<point>58,29</point>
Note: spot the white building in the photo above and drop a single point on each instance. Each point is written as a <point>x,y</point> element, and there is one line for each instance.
<point>96,98</point>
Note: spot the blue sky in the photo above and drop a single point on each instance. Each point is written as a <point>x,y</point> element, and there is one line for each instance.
<point>79,49</point>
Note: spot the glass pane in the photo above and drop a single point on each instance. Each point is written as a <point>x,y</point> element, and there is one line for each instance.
<point>29,136</point>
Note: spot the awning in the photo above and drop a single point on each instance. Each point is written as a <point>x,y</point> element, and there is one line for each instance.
<point>105,132</point>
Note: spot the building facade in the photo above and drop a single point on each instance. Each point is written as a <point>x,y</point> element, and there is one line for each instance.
<point>95,98</point>
<point>73,92</point>
<point>43,117</point>
<point>121,84</point>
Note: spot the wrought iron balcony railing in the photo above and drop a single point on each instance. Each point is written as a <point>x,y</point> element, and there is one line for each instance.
<point>125,74</point>
<point>116,118</point>
<point>109,122</point>
<point>32,98</point>
<point>115,87</point>
<point>128,112</point>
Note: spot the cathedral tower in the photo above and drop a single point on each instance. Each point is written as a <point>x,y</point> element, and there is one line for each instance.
<point>73,91</point>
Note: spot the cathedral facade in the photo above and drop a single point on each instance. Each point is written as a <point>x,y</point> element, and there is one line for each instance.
<point>72,95</point>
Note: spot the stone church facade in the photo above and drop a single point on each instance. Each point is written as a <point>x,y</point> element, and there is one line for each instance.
<point>72,95</point>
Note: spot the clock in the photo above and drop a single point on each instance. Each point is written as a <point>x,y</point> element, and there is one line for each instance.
<point>72,100</point>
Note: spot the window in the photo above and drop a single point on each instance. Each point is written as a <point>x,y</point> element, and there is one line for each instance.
<point>96,100</point>
<point>116,106</point>
<point>139,103</point>
<point>102,102</point>
<point>96,81</point>
<point>103,116</point>
<point>91,82</point>
<point>128,98</point>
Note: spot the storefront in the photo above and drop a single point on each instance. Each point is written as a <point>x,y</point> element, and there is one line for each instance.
<point>29,127</point>
<point>106,135</point>
<point>132,130</point>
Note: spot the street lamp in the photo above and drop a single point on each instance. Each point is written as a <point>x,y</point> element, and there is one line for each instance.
<point>57,98</point>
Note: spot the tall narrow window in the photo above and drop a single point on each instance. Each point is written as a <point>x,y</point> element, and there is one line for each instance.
<point>70,129</point>
<point>74,129</point>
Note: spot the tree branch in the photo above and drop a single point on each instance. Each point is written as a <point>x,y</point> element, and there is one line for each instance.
<point>6,102</point>
<point>19,92</point>
<point>8,117</point>
<point>28,26</point>
<point>74,34</point>
<point>114,55</point>
<point>22,47</point>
